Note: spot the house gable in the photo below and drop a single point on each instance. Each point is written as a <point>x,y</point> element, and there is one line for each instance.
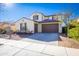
<point>29,24</point>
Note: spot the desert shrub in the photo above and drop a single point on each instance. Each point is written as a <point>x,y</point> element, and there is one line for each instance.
<point>2,31</point>
<point>9,30</point>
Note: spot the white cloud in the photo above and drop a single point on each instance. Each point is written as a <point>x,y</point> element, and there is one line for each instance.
<point>8,4</point>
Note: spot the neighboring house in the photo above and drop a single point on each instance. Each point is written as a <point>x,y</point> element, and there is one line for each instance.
<point>39,23</point>
<point>13,27</point>
<point>5,25</point>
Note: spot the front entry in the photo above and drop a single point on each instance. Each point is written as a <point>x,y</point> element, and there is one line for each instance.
<point>36,28</point>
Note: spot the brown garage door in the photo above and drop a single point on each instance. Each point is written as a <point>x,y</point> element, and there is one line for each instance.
<point>49,28</point>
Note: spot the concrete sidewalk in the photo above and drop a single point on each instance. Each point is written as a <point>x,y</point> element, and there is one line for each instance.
<point>24,48</point>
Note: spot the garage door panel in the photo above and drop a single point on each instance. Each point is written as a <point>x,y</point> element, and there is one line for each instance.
<point>50,28</point>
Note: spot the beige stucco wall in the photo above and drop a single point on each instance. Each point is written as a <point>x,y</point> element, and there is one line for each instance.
<point>30,24</point>
<point>50,17</point>
<point>60,28</point>
<point>45,17</point>
<point>39,28</point>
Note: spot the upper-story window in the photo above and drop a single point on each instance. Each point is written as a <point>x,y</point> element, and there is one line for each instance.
<point>54,17</point>
<point>35,17</point>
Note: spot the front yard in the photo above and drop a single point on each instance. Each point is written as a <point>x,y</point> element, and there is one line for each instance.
<point>68,42</point>
<point>72,38</point>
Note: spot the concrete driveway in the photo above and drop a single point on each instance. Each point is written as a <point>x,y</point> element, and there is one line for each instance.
<point>48,38</point>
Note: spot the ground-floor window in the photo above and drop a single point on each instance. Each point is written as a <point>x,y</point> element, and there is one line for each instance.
<point>23,27</point>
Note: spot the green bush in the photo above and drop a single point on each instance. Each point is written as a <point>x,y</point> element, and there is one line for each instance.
<point>74,33</point>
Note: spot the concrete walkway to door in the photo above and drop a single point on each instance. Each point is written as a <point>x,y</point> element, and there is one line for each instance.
<point>48,38</point>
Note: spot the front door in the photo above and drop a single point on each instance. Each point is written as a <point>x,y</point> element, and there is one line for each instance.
<point>36,28</point>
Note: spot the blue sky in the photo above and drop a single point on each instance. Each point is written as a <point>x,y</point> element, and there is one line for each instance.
<point>13,12</point>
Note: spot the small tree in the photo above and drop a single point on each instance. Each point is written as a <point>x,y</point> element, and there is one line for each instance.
<point>67,16</point>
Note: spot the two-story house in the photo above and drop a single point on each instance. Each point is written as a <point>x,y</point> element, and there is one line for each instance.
<point>40,23</point>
